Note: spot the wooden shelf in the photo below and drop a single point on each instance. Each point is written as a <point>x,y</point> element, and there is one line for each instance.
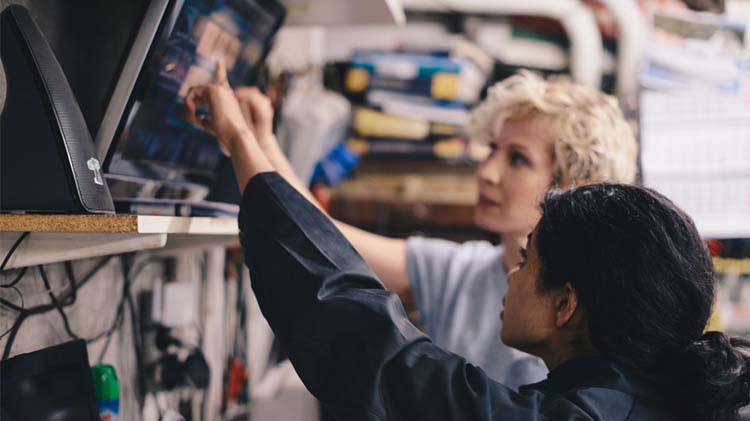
<point>57,238</point>
<point>131,224</point>
<point>42,247</point>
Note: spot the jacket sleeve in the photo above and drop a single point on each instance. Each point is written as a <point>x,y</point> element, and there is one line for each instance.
<point>349,339</point>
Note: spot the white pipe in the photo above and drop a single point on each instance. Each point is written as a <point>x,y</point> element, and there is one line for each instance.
<point>630,45</point>
<point>577,19</point>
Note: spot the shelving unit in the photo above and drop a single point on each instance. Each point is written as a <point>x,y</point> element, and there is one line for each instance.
<point>56,238</point>
<point>343,12</point>
<point>577,19</point>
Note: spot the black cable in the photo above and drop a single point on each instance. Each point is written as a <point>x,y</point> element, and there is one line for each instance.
<point>6,332</point>
<point>56,303</point>
<point>127,284</point>
<point>15,280</point>
<point>13,249</point>
<point>10,305</point>
<point>25,313</point>
<point>103,352</point>
<point>72,279</point>
<point>13,332</point>
<point>135,329</point>
<point>18,291</point>
<point>21,309</point>
<point>117,322</point>
<point>68,299</point>
<point>134,273</point>
<point>43,308</point>
<point>118,315</point>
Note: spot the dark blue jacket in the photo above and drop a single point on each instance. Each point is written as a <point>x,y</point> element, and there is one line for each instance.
<point>355,350</point>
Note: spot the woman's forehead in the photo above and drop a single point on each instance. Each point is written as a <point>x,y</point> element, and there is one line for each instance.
<point>533,132</point>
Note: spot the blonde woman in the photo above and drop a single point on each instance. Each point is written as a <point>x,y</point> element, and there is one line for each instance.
<point>542,134</point>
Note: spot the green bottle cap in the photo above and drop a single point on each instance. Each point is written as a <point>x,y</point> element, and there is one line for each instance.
<point>106,386</point>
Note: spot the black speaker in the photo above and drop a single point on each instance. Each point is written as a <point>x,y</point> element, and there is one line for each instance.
<point>47,158</point>
<point>53,383</point>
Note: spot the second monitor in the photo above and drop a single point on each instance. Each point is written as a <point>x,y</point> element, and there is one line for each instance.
<point>150,150</point>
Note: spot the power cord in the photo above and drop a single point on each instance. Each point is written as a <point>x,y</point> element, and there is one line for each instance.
<point>68,298</point>
<point>17,279</point>
<point>22,308</point>
<point>12,250</point>
<point>56,303</point>
<point>8,255</point>
<point>71,298</point>
<point>32,311</point>
<point>126,263</point>
<point>127,284</point>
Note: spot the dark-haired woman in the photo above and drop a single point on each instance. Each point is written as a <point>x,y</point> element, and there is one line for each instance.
<point>613,294</point>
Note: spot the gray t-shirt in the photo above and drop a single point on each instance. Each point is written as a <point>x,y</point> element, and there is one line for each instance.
<point>459,290</point>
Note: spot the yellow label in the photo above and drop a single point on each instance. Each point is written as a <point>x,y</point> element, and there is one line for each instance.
<point>444,85</point>
<point>442,129</point>
<point>449,148</point>
<point>357,79</point>
<point>728,265</point>
<point>368,122</point>
<point>358,146</point>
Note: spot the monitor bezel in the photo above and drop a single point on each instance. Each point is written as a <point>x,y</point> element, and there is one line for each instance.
<point>155,19</point>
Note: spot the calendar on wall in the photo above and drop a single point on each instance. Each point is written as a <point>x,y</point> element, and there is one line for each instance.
<point>695,149</point>
<point>695,121</point>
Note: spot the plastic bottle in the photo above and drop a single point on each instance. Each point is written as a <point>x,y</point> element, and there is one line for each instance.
<point>107,391</point>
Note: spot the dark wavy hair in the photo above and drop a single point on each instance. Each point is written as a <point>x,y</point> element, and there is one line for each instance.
<point>646,281</point>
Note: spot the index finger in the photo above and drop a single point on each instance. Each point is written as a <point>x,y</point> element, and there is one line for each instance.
<point>194,95</point>
<point>221,72</point>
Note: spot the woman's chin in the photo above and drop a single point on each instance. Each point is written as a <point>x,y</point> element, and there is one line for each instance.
<point>487,221</point>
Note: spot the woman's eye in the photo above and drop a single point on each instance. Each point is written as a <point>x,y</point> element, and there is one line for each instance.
<point>517,159</point>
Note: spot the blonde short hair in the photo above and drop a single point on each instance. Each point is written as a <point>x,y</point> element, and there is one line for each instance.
<point>592,141</point>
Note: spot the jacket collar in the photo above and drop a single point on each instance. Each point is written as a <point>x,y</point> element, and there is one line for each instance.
<point>582,372</point>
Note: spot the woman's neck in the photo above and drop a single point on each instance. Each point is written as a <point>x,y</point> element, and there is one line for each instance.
<point>574,340</point>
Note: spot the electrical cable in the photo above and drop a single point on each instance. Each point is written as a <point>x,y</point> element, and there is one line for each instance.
<point>22,307</point>
<point>141,378</point>
<point>127,284</point>
<point>56,303</point>
<point>23,314</point>
<point>5,333</point>
<point>13,332</point>
<point>17,279</point>
<point>43,308</point>
<point>115,325</point>
<point>20,295</point>
<point>8,255</point>
<point>10,305</point>
<point>13,248</point>
<point>72,279</point>
<point>118,316</point>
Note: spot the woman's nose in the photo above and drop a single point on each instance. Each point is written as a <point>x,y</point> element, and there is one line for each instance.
<point>490,170</point>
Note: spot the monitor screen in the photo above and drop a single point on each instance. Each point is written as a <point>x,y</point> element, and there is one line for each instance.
<point>152,139</point>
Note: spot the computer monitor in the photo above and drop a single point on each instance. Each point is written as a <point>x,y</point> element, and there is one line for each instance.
<point>145,138</point>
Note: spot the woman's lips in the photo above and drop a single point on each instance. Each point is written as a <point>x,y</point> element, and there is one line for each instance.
<point>486,201</point>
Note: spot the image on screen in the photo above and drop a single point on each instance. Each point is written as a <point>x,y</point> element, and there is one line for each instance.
<point>157,141</point>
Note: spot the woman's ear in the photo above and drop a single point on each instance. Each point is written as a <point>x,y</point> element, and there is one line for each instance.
<point>566,303</point>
